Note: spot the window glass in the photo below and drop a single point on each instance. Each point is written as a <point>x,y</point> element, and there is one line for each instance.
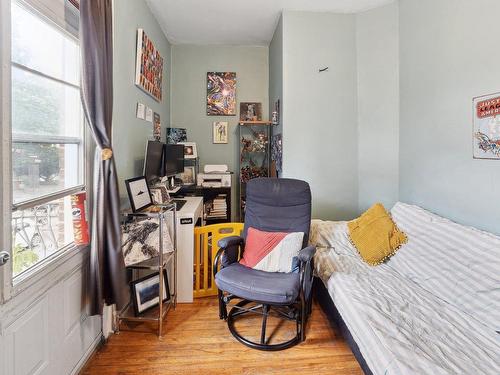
<point>47,136</point>
<point>42,46</point>
<point>39,232</point>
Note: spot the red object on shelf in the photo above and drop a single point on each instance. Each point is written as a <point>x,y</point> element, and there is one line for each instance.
<point>80,223</point>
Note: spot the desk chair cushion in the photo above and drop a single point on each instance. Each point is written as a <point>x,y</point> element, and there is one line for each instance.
<point>272,251</point>
<point>260,286</point>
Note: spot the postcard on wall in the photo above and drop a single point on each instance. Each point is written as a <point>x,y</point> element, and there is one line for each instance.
<point>148,67</point>
<point>149,114</point>
<point>221,94</point>
<point>220,130</point>
<point>487,126</point>
<point>140,111</point>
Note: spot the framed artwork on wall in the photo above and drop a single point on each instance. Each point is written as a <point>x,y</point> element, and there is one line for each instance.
<point>148,67</point>
<point>486,125</point>
<point>220,132</point>
<point>250,111</point>
<point>221,94</point>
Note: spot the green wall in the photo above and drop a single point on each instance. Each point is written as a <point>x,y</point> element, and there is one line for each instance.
<point>190,64</point>
<point>447,58</point>
<point>130,133</point>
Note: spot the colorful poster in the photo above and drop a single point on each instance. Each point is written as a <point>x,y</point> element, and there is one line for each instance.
<point>149,66</point>
<point>157,127</point>
<point>221,94</point>
<point>487,126</point>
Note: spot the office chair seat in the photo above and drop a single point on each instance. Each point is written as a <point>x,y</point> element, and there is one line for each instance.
<point>259,286</point>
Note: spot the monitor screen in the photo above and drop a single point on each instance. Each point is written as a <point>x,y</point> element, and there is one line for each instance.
<point>153,161</point>
<point>174,159</point>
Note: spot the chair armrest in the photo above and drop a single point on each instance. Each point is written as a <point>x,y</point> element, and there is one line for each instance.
<point>230,241</point>
<point>306,254</point>
<point>229,250</point>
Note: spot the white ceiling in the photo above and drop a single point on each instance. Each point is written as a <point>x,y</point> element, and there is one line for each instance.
<point>238,22</point>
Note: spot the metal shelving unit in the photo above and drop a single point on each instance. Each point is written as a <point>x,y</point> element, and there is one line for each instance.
<point>255,155</point>
<point>158,264</point>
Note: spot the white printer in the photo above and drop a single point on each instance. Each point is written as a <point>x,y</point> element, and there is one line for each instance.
<point>215,175</point>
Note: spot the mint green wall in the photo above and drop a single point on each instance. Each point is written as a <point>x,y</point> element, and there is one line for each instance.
<point>377,45</point>
<point>129,133</point>
<point>320,109</point>
<point>190,64</point>
<point>447,58</point>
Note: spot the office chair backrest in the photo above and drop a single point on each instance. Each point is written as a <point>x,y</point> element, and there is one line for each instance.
<point>278,205</point>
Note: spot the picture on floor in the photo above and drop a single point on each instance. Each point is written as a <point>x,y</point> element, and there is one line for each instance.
<point>221,94</point>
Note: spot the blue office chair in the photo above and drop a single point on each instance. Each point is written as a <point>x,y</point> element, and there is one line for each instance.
<point>272,205</point>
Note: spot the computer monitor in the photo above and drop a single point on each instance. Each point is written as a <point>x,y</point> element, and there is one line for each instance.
<point>153,161</point>
<point>174,159</point>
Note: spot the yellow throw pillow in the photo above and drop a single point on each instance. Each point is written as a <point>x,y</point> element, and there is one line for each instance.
<point>375,235</point>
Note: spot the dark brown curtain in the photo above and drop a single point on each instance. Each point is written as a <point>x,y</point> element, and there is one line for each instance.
<point>107,267</point>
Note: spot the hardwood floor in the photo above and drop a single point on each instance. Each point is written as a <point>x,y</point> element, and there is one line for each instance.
<point>195,341</point>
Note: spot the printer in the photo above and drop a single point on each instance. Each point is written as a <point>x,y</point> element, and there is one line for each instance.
<point>214,176</point>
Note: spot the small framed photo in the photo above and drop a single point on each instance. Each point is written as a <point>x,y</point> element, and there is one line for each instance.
<point>146,291</point>
<point>250,111</point>
<point>189,176</point>
<point>160,194</point>
<point>190,151</point>
<point>138,193</point>
<point>220,132</point>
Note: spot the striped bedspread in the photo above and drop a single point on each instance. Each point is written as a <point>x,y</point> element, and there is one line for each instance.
<point>433,308</point>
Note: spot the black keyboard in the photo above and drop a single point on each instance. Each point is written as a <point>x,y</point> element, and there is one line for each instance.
<point>179,203</point>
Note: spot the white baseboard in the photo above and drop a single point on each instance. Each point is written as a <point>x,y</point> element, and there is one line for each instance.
<point>92,348</point>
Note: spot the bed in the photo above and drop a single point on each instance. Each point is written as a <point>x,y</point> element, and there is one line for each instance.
<point>433,308</point>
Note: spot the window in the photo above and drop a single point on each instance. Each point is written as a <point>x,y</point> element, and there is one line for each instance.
<point>47,129</point>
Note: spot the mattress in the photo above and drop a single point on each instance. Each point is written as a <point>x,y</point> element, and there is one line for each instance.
<point>433,308</point>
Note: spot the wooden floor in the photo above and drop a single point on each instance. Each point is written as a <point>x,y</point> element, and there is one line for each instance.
<point>195,341</point>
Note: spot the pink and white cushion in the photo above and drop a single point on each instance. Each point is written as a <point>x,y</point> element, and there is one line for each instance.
<point>271,251</point>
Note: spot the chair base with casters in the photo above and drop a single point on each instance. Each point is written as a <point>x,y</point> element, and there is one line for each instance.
<point>288,295</point>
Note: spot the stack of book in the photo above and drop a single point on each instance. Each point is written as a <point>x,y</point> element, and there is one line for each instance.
<point>217,209</point>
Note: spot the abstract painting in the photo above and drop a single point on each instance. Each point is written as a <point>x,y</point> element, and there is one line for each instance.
<point>148,67</point>
<point>221,94</point>
<point>486,126</point>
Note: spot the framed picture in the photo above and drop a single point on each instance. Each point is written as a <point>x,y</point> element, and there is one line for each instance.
<point>189,176</point>
<point>221,94</point>
<point>160,194</point>
<point>138,193</point>
<point>250,111</point>
<point>486,127</point>
<point>148,67</point>
<point>146,291</point>
<point>176,135</point>
<point>190,151</point>
<point>220,131</point>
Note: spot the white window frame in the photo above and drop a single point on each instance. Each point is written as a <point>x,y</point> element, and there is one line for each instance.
<point>11,285</point>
